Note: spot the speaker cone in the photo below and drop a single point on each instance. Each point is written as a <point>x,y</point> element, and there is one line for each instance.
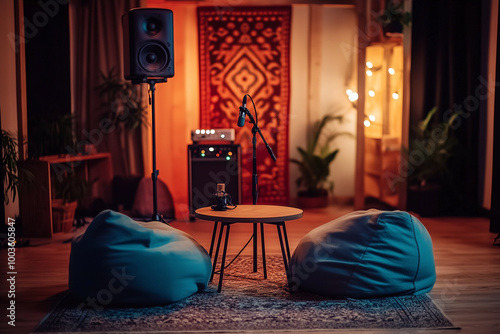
<point>153,57</point>
<point>151,26</point>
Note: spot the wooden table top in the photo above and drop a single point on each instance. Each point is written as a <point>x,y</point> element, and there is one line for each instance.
<point>250,214</point>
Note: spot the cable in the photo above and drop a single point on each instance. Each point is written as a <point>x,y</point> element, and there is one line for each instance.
<point>255,110</point>
<point>218,271</point>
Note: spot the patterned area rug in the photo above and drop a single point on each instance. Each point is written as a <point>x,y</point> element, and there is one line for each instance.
<point>249,303</point>
<point>245,50</point>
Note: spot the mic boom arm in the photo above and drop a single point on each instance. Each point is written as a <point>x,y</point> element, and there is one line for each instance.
<point>252,120</point>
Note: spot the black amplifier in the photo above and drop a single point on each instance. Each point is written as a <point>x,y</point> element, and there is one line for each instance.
<point>209,164</point>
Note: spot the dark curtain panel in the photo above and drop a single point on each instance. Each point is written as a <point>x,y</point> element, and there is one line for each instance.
<point>446,55</point>
<point>495,188</point>
<point>97,47</point>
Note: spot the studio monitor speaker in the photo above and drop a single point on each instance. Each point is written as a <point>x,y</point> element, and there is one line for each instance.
<point>208,165</point>
<point>148,43</point>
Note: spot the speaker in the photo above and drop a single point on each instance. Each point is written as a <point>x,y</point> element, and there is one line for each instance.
<point>209,164</point>
<point>148,44</point>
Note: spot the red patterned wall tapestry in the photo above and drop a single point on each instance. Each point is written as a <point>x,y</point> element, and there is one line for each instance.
<point>245,50</point>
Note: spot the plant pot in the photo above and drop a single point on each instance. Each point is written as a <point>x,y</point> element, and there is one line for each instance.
<point>312,202</point>
<point>425,200</point>
<point>63,215</point>
<point>394,27</point>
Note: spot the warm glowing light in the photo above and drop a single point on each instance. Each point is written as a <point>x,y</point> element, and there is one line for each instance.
<point>197,131</point>
<point>348,92</point>
<point>202,132</point>
<point>369,73</point>
<point>230,153</point>
<point>353,97</point>
<point>223,135</point>
<point>395,95</point>
<point>367,123</point>
<point>371,118</point>
<point>212,131</point>
<point>369,64</point>
<point>211,149</point>
<point>391,71</point>
<point>371,93</point>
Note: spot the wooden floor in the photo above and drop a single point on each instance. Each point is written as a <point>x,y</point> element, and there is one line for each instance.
<point>467,287</point>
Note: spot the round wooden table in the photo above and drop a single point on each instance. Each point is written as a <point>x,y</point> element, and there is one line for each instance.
<point>263,214</point>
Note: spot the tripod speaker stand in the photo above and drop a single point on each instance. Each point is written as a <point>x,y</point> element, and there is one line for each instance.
<point>154,174</point>
<point>149,58</point>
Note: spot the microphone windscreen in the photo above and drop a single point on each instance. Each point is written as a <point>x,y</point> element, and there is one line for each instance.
<point>241,119</point>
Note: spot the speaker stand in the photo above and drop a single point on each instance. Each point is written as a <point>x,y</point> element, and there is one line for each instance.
<point>154,175</point>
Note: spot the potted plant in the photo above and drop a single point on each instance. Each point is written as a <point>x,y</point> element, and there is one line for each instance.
<point>314,165</point>
<point>393,18</point>
<point>430,149</point>
<point>71,190</point>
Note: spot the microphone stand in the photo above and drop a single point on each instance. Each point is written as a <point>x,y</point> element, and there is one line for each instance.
<point>255,130</point>
<point>255,188</point>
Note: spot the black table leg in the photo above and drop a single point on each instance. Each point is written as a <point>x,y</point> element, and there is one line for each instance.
<point>263,249</point>
<point>213,239</point>
<point>217,252</point>
<point>283,253</point>
<point>286,242</point>
<point>254,247</point>
<point>223,258</point>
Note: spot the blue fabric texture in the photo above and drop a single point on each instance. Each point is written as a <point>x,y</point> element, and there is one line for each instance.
<point>365,254</point>
<point>120,261</point>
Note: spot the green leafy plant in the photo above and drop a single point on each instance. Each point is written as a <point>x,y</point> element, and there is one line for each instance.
<point>122,101</point>
<point>394,14</point>
<point>431,148</point>
<point>316,158</point>
<point>10,167</point>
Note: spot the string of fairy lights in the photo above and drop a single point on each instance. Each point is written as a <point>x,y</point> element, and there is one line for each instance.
<point>370,71</point>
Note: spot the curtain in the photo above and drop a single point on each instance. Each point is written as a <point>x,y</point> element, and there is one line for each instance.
<point>495,189</point>
<point>446,72</point>
<point>97,47</point>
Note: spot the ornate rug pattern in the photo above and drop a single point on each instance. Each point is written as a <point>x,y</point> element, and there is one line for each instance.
<point>248,303</point>
<point>245,50</point>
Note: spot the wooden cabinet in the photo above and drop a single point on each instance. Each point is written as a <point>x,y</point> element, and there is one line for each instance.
<point>35,200</point>
<point>383,110</point>
<point>382,158</point>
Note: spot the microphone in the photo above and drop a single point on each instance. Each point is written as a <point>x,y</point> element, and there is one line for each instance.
<point>243,109</point>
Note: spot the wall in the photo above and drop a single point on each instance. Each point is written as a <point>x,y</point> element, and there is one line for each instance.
<point>8,102</point>
<point>324,58</point>
<point>336,58</point>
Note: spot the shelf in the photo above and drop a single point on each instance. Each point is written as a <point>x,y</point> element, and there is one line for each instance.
<point>35,200</point>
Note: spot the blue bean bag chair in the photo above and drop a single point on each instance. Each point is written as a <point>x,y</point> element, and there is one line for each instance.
<point>365,254</point>
<point>120,261</point>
